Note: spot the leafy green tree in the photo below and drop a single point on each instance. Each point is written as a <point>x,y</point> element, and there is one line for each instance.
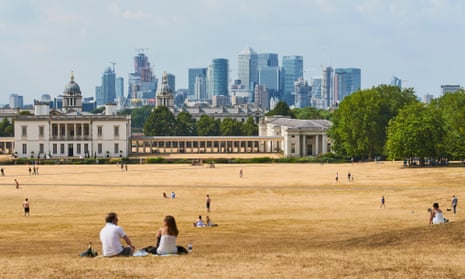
<point>249,128</point>
<point>208,126</point>
<point>360,122</point>
<point>281,108</point>
<point>452,111</point>
<point>161,122</point>
<point>140,115</point>
<point>416,131</point>
<point>231,127</point>
<point>6,128</point>
<point>185,124</point>
<point>311,113</point>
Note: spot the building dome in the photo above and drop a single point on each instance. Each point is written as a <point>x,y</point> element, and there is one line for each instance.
<point>72,88</point>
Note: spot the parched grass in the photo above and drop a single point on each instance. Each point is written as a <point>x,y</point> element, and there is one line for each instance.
<point>278,221</point>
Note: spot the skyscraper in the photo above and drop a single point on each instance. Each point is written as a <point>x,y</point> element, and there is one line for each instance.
<point>302,93</point>
<point>327,86</point>
<point>261,97</point>
<point>247,68</point>
<point>292,69</point>
<point>449,88</point>
<point>108,86</point>
<point>119,88</point>
<point>346,81</point>
<point>200,88</point>
<point>142,83</point>
<point>395,81</point>
<point>16,101</point>
<point>218,77</point>
<point>193,73</point>
<point>171,81</point>
<point>267,60</point>
<point>268,72</point>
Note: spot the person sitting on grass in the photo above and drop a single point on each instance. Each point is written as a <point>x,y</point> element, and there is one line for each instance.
<point>209,222</point>
<point>166,238</point>
<point>199,222</point>
<point>110,237</point>
<point>436,216</point>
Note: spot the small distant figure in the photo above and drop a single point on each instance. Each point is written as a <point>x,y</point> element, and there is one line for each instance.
<point>353,178</point>
<point>436,216</point>
<point>337,177</point>
<point>2,172</point>
<point>352,160</point>
<point>173,195</point>
<point>126,167</point>
<point>164,195</point>
<point>209,222</point>
<point>26,207</point>
<point>348,176</point>
<point>199,222</point>
<point>17,184</point>
<point>241,173</point>
<point>208,201</point>
<point>30,171</point>
<point>122,165</point>
<point>454,204</point>
<point>383,202</point>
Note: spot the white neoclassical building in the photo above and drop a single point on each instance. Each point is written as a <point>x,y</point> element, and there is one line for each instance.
<point>300,138</point>
<point>71,132</point>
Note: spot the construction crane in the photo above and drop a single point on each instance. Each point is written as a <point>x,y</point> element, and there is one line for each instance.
<point>113,63</point>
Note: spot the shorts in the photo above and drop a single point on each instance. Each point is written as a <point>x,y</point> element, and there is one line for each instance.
<point>208,205</point>
<point>26,210</point>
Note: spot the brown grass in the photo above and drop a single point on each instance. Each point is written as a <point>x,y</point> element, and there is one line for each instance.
<point>278,221</point>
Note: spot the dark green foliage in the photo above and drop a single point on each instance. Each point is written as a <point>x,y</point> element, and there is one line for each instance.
<point>6,128</point>
<point>161,122</point>
<point>230,127</point>
<point>208,126</point>
<point>185,124</point>
<point>281,108</point>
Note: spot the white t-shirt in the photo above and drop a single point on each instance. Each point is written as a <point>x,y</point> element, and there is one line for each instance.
<point>438,218</point>
<point>110,237</point>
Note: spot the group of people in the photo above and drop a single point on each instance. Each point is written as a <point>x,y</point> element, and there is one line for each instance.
<point>436,214</point>
<point>173,195</point>
<point>201,223</point>
<point>112,233</point>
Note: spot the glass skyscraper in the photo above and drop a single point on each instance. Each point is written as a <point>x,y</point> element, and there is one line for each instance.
<point>247,68</point>
<point>267,60</point>
<point>292,70</point>
<point>193,73</point>
<point>108,86</point>
<point>346,81</point>
<point>218,79</point>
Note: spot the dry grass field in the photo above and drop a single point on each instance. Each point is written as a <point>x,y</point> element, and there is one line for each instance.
<point>278,221</point>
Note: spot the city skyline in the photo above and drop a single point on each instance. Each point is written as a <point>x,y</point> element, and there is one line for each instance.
<point>43,41</point>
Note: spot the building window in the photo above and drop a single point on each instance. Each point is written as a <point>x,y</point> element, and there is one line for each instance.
<point>41,131</point>
<point>292,147</point>
<point>41,149</point>
<point>24,131</point>
<point>54,130</point>
<point>55,149</point>
<point>62,148</point>
<point>24,148</point>
<point>116,131</point>
<point>78,148</point>
<point>116,148</point>
<point>86,148</point>
<point>99,131</point>
<point>99,148</point>
<point>86,130</point>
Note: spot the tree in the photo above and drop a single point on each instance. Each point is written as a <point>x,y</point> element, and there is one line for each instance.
<point>249,128</point>
<point>208,126</point>
<point>6,128</point>
<point>140,115</point>
<point>360,122</point>
<point>281,108</point>
<point>161,122</point>
<point>185,124</point>
<point>231,127</point>
<point>311,113</point>
<point>416,131</point>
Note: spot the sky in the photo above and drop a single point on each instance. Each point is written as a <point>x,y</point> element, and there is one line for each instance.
<point>420,41</point>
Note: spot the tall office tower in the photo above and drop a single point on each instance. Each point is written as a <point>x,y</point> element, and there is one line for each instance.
<point>261,97</point>
<point>142,83</point>
<point>448,88</point>
<point>119,87</point>
<point>346,81</point>
<point>171,81</point>
<point>218,77</point>
<point>108,86</point>
<point>193,73</point>
<point>16,101</point>
<point>302,93</point>
<point>292,69</point>
<point>99,98</point>
<point>200,88</point>
<point>327,86</point>
<point>268,76</point>
<point>317,99</point>
<point>395,81</point>
<point>267,60</point>
<point>428,98</point>
<point>247,68</point>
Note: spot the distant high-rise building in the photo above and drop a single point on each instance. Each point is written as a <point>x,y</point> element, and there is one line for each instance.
<point>448,88</point>
<point>218,77</point>
<point>327,86</point>
<point>171,81</point>
<point>99,98</point>
<point>193,73</point>
<point>200,88</point>
<point>247,68</point>
<point>267,60</point>
<point>395,81</point>
<point>317,99</point>
<point>119,87</point>
<point>302,93</point>
<point>428,98</point>
<point>346,81</point>
<point>108,86</point>
<point>268,76</point>
<point>261,97</point>
<point>292,69</point>
<point>142,83</point>
<point>16,101</point>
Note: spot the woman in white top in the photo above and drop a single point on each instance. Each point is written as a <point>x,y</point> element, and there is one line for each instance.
<point>166,237</point>
<point>436,216</point>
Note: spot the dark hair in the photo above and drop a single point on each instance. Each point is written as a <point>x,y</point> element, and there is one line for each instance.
<point>111,217</point>
<point>171,224</point>
<point>436,205</point>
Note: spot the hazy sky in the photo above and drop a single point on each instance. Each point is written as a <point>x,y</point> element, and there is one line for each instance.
<point>42,41</point>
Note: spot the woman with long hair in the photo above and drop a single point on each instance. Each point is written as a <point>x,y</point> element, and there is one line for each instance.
<point>166,237</point>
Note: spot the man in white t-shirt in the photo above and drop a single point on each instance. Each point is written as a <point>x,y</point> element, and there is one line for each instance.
<point>110,237</point>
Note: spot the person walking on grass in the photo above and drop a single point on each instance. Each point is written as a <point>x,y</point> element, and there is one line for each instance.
<point>17,184</point>
<point>383,202</point>
<point>454,204</point>
<point>208,201</point>
<point>26,207</point>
